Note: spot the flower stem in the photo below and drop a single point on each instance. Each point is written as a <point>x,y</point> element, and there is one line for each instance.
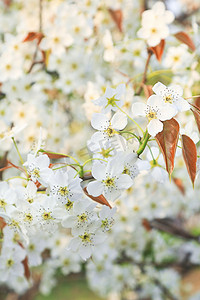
<point>130,118</point>
<point>144,143</point>
<point>20,157</point>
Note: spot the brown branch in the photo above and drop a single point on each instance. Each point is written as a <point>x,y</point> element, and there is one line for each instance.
<point>172,226</point>
<point>144,78</point>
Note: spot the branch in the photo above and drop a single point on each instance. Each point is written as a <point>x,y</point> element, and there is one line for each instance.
<point>144,78</point>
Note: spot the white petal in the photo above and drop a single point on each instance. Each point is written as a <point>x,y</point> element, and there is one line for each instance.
<point>98,170</point>
<point>95,188</point>
<point>154,127</point>
<point>114,167</point>
<point>166,112</point>
<point>119,121</point>
<point>155,100</point>
<point>69,222</point>
<point>177,89</point>
<point>85,252</point>
<point>138,109</point>
<point>99,121</point>
<point>124,181</point>
<point>121,89</point>
<point>158,88</point>
<point>182,105</point>
<point>159,174</point>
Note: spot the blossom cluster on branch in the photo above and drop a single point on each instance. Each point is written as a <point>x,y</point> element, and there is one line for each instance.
<point>99,146</point>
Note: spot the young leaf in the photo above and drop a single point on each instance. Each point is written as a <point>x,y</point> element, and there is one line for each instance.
<point>167,141</point>
<point>52,155</point>
<point>158,50</point>
<point>100,199</point>
<point>27,271</point>
<point>32,36</point>
<point>189,151</point>
<point>2,223</point>
<point>184,38</point>
<point>117,16</point>
<point>178,182</point>
<point>197,118</point>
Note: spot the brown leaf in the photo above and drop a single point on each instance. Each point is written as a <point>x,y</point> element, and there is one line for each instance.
<point>158,50</point>
<point>197,102</point>
<point>184,38</point>
<point>100,199</point>
<point>189,151</point>
<point>195,106</point>
<point>117,16</point>
<point>52,155</point>
<point>2,223</point>
<point>27,272</point>
<point>197,118</point>
<point>147,90</point>
<point>146,224</point>
<point>179,183</point>
<point>32,36</point>
<point>167,141</point>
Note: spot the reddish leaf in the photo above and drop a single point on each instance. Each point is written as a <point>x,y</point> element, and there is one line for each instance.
<point>189,151</point>
<point>195,106</point>
<point>146,224</point>
<point>117,16</point>
<point>147,90</point>
<point>158,50</point>
<point>27,272</point>
<point>167,141</point>
<point>178,182</point>
<point>54,155</point>
<point>100,199</point>
<point>184,38</point>
<point>2,223</point>
<point>32,36</point>
<point>197,118</point>
<point>197,102</point>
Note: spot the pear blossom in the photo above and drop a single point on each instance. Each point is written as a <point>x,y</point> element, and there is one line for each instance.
<point>108,129</point>
<point>83,215</point>
<point>11,262</point>
<point>154,24</point>
<point>155,111</point>
<point>111,97</point>
<point>84,244</point>
<point>56,39</point>
<point>38,168</point>
<point>109,180</point>
<point>64,186</point>
<point>171,95</point>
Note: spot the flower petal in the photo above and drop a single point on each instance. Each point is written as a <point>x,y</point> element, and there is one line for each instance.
<point>154,127</point>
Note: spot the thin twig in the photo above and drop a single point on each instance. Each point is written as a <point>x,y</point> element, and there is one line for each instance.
<point>144,78</point>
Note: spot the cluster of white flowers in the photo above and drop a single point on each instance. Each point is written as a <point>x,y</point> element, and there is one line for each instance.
<point>72,138</point>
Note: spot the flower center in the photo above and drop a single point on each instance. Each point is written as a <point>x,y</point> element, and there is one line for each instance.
<point>152,115</point>
<point>110,131</point>
<point>36,173</point>
<point>46,216</point>
<point>126,171</point>
<point>86,237</point>
<point>28,217</point>
<point>154,30</point>
<point>2,203</point>
<point>82,217</point>
<point>168,99</point>
<point>31,247</point>
<point>111,101</point>
<point>63,191</point>
<point>69,205</point>
<point>109,182</point>
<point>9,263</point>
